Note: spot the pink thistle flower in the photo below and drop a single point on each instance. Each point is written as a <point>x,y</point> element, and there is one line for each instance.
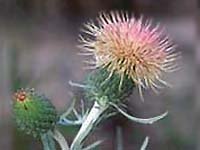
<point>131,47</point>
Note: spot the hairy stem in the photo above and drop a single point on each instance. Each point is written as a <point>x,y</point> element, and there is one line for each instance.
<point>87,125</point>
<point>61,140</point>
<point>119,138</point>
<point>48,142</point>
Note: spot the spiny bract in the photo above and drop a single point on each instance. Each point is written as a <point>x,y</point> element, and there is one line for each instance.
<point>104,90</point>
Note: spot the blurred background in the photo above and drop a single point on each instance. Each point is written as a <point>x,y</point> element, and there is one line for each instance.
<point>38,48</point>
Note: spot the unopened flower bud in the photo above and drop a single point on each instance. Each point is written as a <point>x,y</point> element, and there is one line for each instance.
<point>34,113</point>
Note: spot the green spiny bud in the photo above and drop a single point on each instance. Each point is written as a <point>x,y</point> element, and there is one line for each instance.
<point>104,88</point>
<point>34,113</point>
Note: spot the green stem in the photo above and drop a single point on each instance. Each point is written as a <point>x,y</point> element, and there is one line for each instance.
<point>87,125</point>
<point>48,142</point>
<point>119,138</point>
<point>60,139</point>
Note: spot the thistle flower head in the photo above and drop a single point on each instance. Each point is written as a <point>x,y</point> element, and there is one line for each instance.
<point>33,112</point>
<point>131,47</point>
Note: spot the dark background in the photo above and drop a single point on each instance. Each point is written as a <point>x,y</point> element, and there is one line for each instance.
<point>38,48</point>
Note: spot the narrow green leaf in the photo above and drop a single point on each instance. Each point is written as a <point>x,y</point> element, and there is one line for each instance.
<point>140,120</point>
<point>145,143</point>
<point>93,145</point>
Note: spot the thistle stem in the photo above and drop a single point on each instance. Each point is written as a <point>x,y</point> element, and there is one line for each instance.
<point>119,138</point>
<point>48,142</point>
<point>87,125</point>
<point>61,140</point>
